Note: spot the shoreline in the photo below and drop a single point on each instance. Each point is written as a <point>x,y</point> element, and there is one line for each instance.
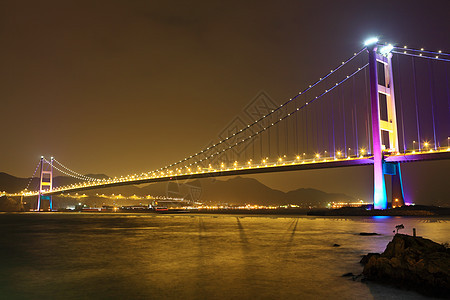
<point>342,212</point>
<point>412,211</point>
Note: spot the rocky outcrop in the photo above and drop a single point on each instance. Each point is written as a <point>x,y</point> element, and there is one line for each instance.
<point>411,262</point>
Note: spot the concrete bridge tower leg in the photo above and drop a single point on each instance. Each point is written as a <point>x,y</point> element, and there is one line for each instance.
<point>384,125</point>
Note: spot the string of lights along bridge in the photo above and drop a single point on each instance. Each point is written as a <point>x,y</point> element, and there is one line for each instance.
<point>383,106</point>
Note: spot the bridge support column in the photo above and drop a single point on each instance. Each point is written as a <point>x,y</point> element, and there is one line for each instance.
<point>384,123</point>
<point>379,186</point>
<point>45,183</point>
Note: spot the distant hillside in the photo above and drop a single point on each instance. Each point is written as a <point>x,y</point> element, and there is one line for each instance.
<point>240,190</point>
<point>12,184</point>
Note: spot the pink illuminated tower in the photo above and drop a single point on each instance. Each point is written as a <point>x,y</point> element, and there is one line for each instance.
<point>384,124</point>
<point>45,182</point>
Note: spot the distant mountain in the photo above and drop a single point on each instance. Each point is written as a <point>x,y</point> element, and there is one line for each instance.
<point>233,191</point>
<point>12,184</point>
<point>240,191</point>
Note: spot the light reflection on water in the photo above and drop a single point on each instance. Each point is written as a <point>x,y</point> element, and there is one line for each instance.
<point>147,256</point>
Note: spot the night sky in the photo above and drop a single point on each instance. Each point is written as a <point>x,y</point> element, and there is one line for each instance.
<point>120,87</point>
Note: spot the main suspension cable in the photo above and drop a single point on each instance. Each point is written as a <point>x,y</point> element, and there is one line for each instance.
<point>32,177</point>
<point>265,116</point>
<point>75,173</point>
<point>277,121</point>
<point>421,56</point>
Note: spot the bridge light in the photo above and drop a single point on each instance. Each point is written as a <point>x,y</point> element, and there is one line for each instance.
<point>371,41</point>
<point>386,49</point>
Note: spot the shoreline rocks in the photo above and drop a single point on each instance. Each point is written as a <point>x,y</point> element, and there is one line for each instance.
<point>411,262</point>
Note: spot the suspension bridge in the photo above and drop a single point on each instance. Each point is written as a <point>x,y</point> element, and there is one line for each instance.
<point>352,116</point>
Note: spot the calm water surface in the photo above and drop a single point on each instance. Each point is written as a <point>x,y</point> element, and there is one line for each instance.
<point>146,256</point>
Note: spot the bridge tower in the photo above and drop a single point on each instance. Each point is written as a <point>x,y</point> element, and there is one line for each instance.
<point>45,182</point>
<point>384,125</point>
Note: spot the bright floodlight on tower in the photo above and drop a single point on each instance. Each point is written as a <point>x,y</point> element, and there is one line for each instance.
<point>386,49</point>
<point>371,41</point>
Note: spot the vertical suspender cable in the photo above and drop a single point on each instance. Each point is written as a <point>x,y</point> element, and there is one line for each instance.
<point>430,70</point>
<point>253,147</point>
<point>448,101</point>
<point>415,100</point>
<point>343,118</point>
<point>366,96</point>
<point>401,104</point>
<point>323,132</point>
<point>332,118</point>
<point>261,143</point>
<point>296,133</point>
<point>356,120</point>
<point>306,129</point>
<point>278,139</point>
<point>268,133</point>
<point>317,128</point>
<point>287,131</point>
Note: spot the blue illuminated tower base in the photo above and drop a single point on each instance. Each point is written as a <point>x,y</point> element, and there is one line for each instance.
<point>393,169</point>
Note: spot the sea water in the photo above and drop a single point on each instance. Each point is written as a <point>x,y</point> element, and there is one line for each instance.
<point>151,256</point>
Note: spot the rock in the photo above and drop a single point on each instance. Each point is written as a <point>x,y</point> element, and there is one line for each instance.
<point>336,245</point>
<point>411,262</point>
<point>368,233</point>
<point>366,258</point>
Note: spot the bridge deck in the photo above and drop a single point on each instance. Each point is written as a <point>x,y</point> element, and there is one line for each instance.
<point>254,169</point>
<point>229,172</point>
